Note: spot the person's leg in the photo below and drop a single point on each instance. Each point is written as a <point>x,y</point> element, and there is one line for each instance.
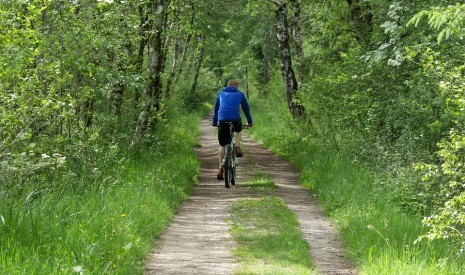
<point>238,136</point>
<point>223,136</point>
<point>220,156</point>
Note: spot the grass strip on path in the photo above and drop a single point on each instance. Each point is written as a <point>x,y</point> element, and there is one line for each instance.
<point>268,236</point>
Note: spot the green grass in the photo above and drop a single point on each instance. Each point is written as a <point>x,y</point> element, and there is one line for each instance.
<point>379,237</point>
<point>104,220</point>
<point>260,182</point>
<point>268,237</point>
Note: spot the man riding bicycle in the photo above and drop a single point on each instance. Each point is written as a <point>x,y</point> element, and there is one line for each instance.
<point>227,109</point>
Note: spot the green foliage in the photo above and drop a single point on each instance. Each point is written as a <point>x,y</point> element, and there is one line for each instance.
<point>450,21</point>
<point>105,219</point>
<point>73,198</point>
<point>72,75</point>
<point>444,176</point>
<point>387,103</point>
<point>380,238</point>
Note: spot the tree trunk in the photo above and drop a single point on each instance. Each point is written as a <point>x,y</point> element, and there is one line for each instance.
<point>183,57</point>
<point>174,66</point>
<point>297,34</point>
<point>198,66</point>
<point>179,50</point>
<point>151,96</point>
<point>290,81</point>
<point>266,61</point>
<point>115,99</point>
<point>88,111</point>
<point>139,62</point>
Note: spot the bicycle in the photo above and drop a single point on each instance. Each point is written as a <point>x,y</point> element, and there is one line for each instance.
<point>230,159</point>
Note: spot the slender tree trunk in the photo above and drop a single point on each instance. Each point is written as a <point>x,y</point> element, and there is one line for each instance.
<point>183,57</point>
<point>115,98</point>
<point>164,53</point>
<point>266,61</point>
<point>89,112</point>
<point>139,62</point>
<point>188,65</point>
<point>198,66</point>
<point>174,66</point>
<point>297,34</point>
<point>180,55</point>
<point>290,81</point>
<point>152,91</point>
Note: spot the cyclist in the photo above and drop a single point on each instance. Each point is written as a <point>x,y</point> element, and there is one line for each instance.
<point>227,109</point>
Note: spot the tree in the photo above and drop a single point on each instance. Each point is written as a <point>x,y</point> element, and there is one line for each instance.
<point>282,28</point>
<point>157,15</point>
<point>446,176</point>
<point>296,27</point>
<point>198,65</point>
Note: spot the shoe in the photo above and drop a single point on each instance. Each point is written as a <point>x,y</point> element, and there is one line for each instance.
<point>219,176</point>
<point>239,152</point>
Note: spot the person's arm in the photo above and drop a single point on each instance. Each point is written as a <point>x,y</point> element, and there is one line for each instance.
<point>217,107</point>
<point>246,109</point>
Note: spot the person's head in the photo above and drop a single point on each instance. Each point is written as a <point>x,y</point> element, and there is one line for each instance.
<point>233,83</point>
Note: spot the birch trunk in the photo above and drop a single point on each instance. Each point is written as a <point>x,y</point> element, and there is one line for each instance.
<point>297,34</point>
<point>290,81</point>
<point>151,96</point>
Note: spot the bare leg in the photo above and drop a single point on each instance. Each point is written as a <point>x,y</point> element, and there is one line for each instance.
<point>220,155</point>
<point>238,136</point>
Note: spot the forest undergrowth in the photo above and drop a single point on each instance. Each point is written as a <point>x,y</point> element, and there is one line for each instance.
<point>105,219</point>
<point>380,237</point>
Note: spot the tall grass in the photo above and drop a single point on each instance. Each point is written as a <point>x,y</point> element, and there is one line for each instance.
<point>106,219</point>
<point>379,237</point>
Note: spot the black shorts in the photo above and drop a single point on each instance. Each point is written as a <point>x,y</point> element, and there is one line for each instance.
<point>223,131</point>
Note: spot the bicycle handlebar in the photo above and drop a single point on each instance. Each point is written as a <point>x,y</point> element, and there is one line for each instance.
<point>244,126</point>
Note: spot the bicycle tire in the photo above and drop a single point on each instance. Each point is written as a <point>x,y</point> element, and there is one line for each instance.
<point>233,165</point>
<point>227,167</point>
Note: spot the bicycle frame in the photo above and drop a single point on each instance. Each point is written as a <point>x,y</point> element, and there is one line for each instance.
<point>230,160</point>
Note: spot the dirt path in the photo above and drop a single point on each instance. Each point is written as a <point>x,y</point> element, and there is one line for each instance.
<point>198,242</point>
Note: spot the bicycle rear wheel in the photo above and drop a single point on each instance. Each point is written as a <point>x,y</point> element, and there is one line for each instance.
<point>227,167</point>
<point>233,164</point>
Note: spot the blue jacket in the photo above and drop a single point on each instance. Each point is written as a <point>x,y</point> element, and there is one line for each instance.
<point>227,106</point>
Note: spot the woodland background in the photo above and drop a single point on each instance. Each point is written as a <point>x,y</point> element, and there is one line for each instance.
<point>87,85</point>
